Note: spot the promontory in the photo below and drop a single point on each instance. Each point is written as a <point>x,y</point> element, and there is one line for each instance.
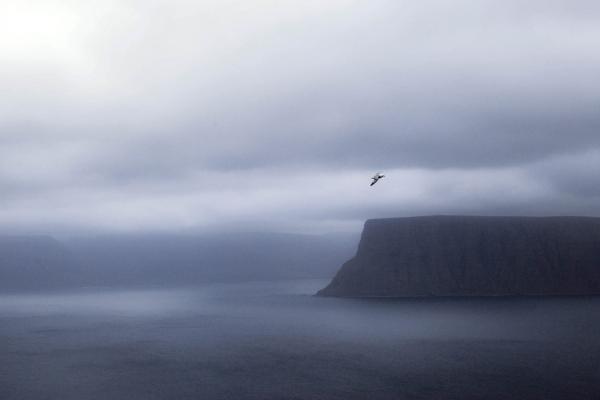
<point>473,256</point>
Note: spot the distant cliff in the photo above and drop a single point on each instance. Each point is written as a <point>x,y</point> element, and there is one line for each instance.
<point>35,262</point>
<point>41,262</point>
<point>171,259</point>
<point>471,256</point>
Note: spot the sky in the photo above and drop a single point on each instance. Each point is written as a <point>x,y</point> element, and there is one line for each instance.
<point>264,115</point>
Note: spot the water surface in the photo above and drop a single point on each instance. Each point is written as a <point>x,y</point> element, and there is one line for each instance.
<point>274,340</point>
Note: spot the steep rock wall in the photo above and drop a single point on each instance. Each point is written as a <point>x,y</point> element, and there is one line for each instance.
<point>471,256</point>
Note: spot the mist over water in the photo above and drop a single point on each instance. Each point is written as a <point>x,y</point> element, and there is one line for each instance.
<point>275,340</point>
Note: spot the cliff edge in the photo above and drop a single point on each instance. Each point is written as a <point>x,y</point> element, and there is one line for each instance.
<point>473,256</point>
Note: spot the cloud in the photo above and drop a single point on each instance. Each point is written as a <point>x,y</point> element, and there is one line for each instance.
<point>135,115</point>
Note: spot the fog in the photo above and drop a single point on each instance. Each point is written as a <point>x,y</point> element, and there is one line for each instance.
<point>167,260</point>
<point>267,340</point>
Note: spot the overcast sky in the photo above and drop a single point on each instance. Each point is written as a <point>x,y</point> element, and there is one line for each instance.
<point>141,115</point>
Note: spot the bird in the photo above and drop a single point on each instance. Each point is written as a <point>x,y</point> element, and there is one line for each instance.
<point>376,177</point>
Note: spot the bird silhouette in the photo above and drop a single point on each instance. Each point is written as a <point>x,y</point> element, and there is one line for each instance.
<point>376,177</point>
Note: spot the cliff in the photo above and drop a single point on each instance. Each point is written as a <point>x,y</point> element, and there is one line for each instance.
<point>35,262</point>
<point>473,256</point>
<point>171,259</point>
<point>42,262</point>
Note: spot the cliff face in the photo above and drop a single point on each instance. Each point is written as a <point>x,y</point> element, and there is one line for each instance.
<point>464,256</point>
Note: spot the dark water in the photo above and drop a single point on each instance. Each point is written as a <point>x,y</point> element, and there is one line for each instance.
<point>275,341</point>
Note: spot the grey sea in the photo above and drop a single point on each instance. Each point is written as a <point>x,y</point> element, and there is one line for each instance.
<point>275,340</point>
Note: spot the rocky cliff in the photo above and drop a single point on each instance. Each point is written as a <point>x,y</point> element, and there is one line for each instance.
<point>473,256</point>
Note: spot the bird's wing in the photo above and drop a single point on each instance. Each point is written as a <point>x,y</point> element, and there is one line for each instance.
<point>374,182</point>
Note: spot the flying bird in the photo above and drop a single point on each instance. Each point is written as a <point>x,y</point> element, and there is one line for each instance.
<point>376,177</point>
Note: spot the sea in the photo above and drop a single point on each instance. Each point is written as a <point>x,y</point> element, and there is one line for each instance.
<point>276,340</point>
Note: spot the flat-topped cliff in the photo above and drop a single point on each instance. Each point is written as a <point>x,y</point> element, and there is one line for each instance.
<point>473,256</point>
